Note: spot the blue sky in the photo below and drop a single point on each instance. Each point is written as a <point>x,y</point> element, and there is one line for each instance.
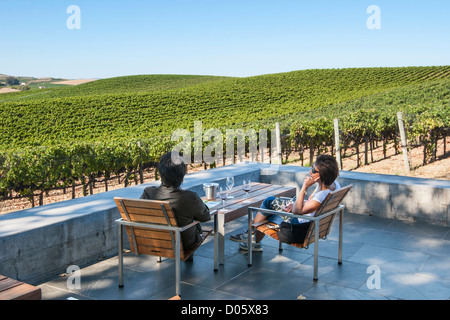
<point>217,37</point>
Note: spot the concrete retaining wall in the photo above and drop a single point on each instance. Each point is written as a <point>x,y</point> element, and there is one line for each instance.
<point>39,243</point>
<point>385,196</point>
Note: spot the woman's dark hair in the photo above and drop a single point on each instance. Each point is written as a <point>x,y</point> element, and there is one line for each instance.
<point>328,169</point>
<point>172,171</point>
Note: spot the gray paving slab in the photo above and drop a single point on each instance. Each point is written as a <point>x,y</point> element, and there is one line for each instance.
<point>411,261</point>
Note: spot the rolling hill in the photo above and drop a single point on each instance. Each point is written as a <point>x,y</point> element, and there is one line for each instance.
<point>139,107</point>
<point>116,85</point>
<point>69,135</point>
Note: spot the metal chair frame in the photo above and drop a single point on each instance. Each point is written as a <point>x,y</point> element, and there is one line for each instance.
<point>315,219</point>
<point>176,241</point>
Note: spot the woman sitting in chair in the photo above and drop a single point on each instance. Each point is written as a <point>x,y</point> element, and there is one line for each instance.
<point>324,172</point>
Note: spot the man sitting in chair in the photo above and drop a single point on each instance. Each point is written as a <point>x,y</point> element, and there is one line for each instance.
<point>186,205</point>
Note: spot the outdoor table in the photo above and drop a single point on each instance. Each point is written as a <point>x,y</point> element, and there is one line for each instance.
<point>238,206</point>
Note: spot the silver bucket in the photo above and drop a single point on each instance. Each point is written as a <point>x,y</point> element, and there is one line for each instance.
<point>210,190</point>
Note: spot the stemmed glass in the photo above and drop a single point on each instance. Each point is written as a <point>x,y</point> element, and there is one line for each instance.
<point>223,194</point>
<point>247,185</point>
<point>230,184</point>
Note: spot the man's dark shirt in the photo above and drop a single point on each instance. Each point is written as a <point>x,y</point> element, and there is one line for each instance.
<point>187,207</point>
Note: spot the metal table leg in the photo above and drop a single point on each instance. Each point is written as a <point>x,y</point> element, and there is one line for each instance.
<point>221,237</point>
<point>216,237</point>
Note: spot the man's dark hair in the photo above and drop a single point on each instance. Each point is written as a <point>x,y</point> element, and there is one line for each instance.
<point>172,171</point>
<point>328,169</point>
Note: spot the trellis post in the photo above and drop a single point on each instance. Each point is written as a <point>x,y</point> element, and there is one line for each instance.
<point>337,143</point>
<point>401,127</point>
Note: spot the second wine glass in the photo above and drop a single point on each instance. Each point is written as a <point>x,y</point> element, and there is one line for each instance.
<point>223,194</point>
<point>230,184</point>
<point>247,186</point>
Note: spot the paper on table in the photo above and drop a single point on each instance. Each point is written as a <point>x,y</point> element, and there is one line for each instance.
<point>212,204</point>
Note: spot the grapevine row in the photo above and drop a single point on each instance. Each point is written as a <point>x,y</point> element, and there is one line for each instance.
<point>41,169</point>
<point>96,116</point>
<point>53,143</point>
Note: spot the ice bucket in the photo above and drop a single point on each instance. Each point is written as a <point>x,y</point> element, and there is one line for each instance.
<point>210,190</point>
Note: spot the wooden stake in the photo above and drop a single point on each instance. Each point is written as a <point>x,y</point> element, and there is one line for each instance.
<point>337,143</point>
<point>403,138</point>
<point>278,147</point>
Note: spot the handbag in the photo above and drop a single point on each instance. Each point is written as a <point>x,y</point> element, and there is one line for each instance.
<point>293,233</point>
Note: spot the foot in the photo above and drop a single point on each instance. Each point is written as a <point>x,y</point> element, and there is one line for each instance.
<point>256,246</point>
<point>240,237</point>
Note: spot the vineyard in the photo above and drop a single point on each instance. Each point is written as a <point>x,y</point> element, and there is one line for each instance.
<point>119,127</point>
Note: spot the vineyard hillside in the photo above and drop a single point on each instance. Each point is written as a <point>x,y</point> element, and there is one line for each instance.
<point>120,85</point>
<point>117,129</point>
<point>142,107</point>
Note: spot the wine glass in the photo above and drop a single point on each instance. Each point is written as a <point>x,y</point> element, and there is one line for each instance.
<point>247,185</point>
<point>230,184</point>
<point>223,194</point>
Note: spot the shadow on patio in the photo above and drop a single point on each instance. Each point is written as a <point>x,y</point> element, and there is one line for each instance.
<point>382,259</point>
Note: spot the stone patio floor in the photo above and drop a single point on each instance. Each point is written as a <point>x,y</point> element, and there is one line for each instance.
<point>383,259</point>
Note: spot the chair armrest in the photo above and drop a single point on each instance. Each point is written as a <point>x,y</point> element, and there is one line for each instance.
<point>121,221</point>
<point>257,224</point>
<point>269,211</point>
<point>190,225</point>
<point>291,215</point>
<point>322,216</point>
<point>286,198</point>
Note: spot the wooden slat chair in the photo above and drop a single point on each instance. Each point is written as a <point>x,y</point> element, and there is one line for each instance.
<point>319,227</point>
<point>152,229</point>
